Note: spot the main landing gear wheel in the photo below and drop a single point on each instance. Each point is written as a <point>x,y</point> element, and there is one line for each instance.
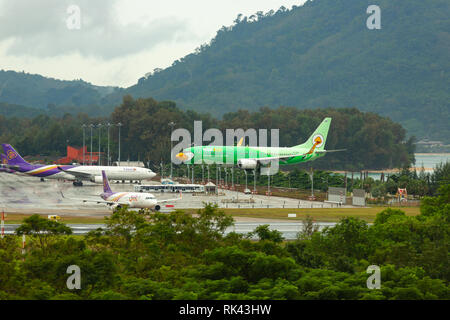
<point>77,183</point>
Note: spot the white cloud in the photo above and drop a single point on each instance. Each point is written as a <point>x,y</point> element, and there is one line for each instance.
<point>39,28</point>
<point>119,40</point>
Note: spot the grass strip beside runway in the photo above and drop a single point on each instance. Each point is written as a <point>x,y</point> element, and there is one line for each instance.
<point>318,214</point>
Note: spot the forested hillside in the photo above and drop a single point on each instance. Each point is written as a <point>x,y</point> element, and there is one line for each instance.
<point>319,55</point>
<point>322,55</point>
<point>39,92</point>
<point>14,110</point>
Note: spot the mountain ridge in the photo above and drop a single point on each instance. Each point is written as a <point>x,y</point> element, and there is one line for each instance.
<point>318,55</point>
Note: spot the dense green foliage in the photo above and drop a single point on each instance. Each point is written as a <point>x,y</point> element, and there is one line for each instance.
<point>372,141</point>
<point>179,256</point>
<point>14,110</point>
<point>322,55</point>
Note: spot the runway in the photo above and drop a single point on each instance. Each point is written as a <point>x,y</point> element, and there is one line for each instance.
<point>28,195</point>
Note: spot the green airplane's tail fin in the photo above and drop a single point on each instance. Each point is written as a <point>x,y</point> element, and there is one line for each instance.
<point>317,140</point>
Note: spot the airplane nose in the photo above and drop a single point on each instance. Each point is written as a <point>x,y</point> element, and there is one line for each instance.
<point>185,156</point>
<point>150,174</point>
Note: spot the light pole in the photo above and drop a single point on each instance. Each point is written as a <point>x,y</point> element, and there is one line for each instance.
<point>119,125</point>
<point>226,176</point>
<point>99,126</point>
<point>312,184</point>
<point>171,124</point>
<point>232,178</point>
<point>92,126</point>
<point>246,187</point>
<point>108,125</point>
<point>84,136</point>
<point>217,176</point>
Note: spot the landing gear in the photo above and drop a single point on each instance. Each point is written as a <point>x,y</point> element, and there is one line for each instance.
<point>42,180</point>
<point>78,183</point>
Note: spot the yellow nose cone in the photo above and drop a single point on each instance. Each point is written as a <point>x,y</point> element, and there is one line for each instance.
<point>185,156</point>
<point>181,156</point>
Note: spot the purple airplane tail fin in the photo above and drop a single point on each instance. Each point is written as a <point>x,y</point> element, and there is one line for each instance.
<point>12,156</point>
<point>106,188</point>
<point>3,159</point>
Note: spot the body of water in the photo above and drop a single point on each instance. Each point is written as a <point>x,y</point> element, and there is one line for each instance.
<point>431,160</point>
<point>426,160</point>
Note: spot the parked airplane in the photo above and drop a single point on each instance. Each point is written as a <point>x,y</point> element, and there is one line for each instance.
<point>246,157</point>
<point>139,200</point>
<point>70,172</point>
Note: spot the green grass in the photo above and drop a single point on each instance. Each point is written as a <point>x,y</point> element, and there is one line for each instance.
<point>318,214</point>
<point>17,218</point>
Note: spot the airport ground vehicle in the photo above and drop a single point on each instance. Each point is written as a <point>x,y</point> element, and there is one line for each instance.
<point>175,188</point>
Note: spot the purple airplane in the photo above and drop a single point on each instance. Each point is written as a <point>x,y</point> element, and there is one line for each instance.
<point>141,200</point>
<point>73,173</point>
<point>12,161</point>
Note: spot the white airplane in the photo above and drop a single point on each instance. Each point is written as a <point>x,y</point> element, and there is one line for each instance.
<point>13,161</point>
<point>116,200</point>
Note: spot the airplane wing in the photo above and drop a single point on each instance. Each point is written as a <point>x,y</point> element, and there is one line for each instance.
<point>77,174</point>
<point>96,200</point>
<point>296,155</point>
<point>104,201</point>
<point>10,166</point>
<point>168,200</point>
<point>279,157</point>
<point>328,151</point>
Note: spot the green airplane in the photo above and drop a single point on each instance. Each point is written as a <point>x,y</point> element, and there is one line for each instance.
<point>250,158</point>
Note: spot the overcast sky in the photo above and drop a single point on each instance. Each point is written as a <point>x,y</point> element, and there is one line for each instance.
<point>118,41</point>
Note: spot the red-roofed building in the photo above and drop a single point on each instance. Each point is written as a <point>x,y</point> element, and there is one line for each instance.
<point>76,155</point>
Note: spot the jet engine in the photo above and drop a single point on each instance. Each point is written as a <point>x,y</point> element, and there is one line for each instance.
<point>97,179</point>
<point>114,207</point>
<point>157,207</point>
<point>247,164</point>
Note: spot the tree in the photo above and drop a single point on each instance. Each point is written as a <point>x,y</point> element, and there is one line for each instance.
<point>384,215</point>
<point>264,233</point>
<point>437,206</point>
<point>308,228</point>
<point>43,229</point>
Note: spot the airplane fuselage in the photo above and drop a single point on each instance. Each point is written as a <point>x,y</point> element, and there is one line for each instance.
<point>114,172</point>
<point>232,154</point>
<point>133,199</point>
